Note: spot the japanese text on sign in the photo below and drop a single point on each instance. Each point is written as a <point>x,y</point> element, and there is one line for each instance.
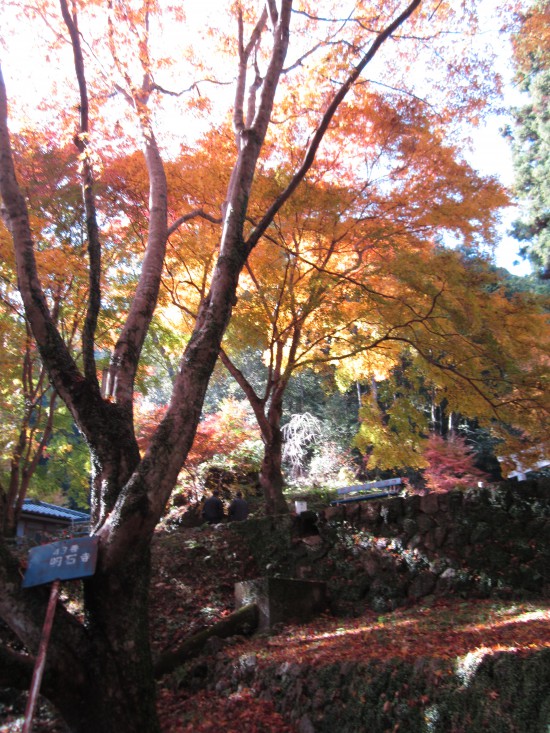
<point>68,556</point>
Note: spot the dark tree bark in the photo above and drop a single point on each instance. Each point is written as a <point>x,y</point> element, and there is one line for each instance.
<point>271,474</point>
<point>242,621</point>
<point>268,411</point>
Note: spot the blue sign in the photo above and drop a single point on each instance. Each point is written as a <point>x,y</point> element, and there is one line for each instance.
<point>64,560</point>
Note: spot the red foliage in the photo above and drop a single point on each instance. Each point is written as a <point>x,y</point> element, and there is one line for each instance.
<point>449,633</point>
<point>207,712</point>
<point>450,464</point>
<point>147,420</point>
<point>219,433</point>
<point>222,432</point>
<point>446,630</point>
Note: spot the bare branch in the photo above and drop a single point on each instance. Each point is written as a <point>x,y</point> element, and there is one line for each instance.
<point>244,56</point>
<point>257,403</point>
<point>273,13</point>
<point>273,74</point>
<point>194,87</point>
<point>81,141</point>
<point>192,215</point>
<point>325,122</point>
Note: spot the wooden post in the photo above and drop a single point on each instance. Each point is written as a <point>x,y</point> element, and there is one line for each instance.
<point>41,656</point>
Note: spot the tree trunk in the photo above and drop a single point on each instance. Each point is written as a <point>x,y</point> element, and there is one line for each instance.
<point>242,621</point>
<point>117,607</point>
<point>271,473</point>
<point>271,478</point>
<point>269,422</point>
<point>9,514</point>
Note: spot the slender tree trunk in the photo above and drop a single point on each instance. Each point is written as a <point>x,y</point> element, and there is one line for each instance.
<point>271,473</point>
<point>269,422</point>
<point>23,465</point>
<point>9,518</point>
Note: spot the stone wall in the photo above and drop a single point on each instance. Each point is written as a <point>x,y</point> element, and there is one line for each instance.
<point>390,552</point>
<point>482,542</point>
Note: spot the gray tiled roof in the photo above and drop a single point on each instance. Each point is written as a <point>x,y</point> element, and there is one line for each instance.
<point>35,506</point>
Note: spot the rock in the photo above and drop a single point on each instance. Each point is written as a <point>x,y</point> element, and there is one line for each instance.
<point>422,585</point>
<point>305,725</point>
<point>282,600</point>
<point>248,662</point>
<point>429,503</point>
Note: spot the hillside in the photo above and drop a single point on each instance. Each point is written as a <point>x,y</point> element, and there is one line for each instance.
<point>444,664</point>
<point>462,660</point>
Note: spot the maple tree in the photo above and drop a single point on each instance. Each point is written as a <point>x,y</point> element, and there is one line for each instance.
<point>345,292</point>
<point>285,103</point>
<point>450,464</point>
<point>218,434</point>
<point>482,353</point>
<point>30,407</point>
<point>406,304</point>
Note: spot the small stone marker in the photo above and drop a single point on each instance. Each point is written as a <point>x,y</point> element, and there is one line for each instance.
<point>300,506</point>
<point>282,600</point>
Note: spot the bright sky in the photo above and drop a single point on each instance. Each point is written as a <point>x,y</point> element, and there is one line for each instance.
<point>491,154</point>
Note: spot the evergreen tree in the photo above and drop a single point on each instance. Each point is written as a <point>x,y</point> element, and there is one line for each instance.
<point>531,135</point>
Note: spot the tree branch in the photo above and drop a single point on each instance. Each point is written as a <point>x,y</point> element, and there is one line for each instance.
<point>191,215</point>
<point>61,366</point>
<point>325,122</point>
<point>125,358</point>
<point>243,620</point>
<point>81,141</point>
<point>244,55</point>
